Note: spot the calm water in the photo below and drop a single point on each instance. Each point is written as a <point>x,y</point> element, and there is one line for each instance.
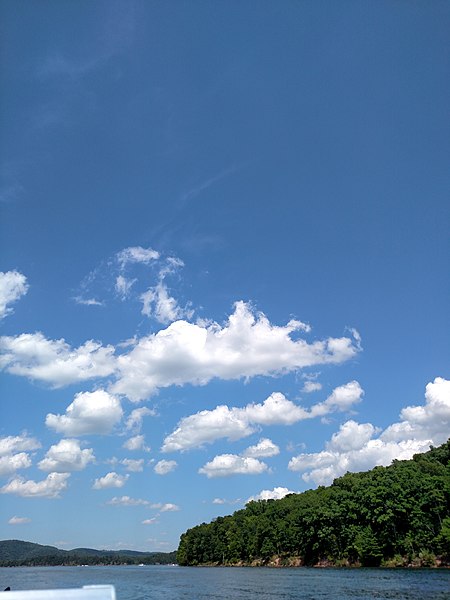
<point>178,583</point>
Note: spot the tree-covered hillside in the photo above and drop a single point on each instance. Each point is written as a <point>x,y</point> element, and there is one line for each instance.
<point>19,553</point>
<point>396,515</point>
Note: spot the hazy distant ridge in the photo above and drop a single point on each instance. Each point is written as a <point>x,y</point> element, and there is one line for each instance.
<point>21,553</point>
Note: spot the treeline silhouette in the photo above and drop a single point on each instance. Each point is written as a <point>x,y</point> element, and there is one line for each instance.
<point>17,553</point>
<point>394,516</point>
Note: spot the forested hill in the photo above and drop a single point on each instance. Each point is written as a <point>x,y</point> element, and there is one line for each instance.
<point>394,516</point>
<point>19,553</point>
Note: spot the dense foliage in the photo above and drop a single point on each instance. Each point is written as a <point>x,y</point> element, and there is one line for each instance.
<point>394,515</point>
<point>18,553</point>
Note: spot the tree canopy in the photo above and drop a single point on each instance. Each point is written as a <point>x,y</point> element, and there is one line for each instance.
<point>396,515</point>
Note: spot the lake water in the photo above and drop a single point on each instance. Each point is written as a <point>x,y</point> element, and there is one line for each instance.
<point>190,583</point>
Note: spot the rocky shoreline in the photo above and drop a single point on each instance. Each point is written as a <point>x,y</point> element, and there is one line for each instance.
<point>420,561</point>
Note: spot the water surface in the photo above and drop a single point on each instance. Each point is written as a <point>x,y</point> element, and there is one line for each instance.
<point>190,583</point>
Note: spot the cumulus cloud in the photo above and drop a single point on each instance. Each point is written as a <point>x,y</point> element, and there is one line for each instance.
<point>19,520</point>
<point>235,423</point>
<point>90,413</point>
<point>428,422</point>
<point>225,465</point>
<point>53,361</point>
<point>263,449</point>
<point>66,456</point>
<point>276,494</point>
<point>354,447</point>
<point>136,254</point>
<point>311,386</point>
<point>11,463</point>
<point>110,480</point>
<point>127,501</point>
<point>12,457</point>
<point>322,467</point>
<point>342,398</point>
<point>167,507</point>
<point>248,345</point>
<point>50,487</point>
<point>17,443</point>
<point>159,304</point>
<point>137,442</point>
<point>165,466</point>
<point>133,465</point>
<point>134,421</point>
<point>275,410</point>
<point>351,436</point>
<point>208,426</point>
<point>13,285</point>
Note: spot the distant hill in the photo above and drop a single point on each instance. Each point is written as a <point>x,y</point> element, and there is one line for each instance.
<point>12,550</point>
<point>393,516</point>
<point>20,553</point>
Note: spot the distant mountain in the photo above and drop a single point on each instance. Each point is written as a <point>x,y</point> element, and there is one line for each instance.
<point>12,550</point>
<point>20,553</point>
<point>93,552</point>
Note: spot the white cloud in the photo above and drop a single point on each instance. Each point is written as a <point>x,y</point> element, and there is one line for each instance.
<point>137,442</point>
<point>208,426</point>
<point>428,422</point>
<point>248,345</point>
<point>136,254</point>
<point>134,421</point>
<point>165,466</point>
<point>11,463</point>
<point>50,487</point>
<point>351,436</point>
<point>133,465</point>
<point>275,494</point>
<point>157,303</point>
<point>225,465</point>
<point>275,410</point>
<point>19,520</point>
<point>90,413</point>
<point>87,301</point>
<point>342,398</point>
<point>123,286</point>
<point>14,443</point>
<point>53,361</point>
<point>325,466</point>
<point>110,480</point>
<point>12,457</point>
<point>151,521</point>
<point>167,507</point>
<point>354,448</point>
<point>225,501</point>
<point>13,285</point>
<point>311,386</point>
<point>127,501</point>
<point>235,423</point>
<point>263,449</point>
<point>66,456</point>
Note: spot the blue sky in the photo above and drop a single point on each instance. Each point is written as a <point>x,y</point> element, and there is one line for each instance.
<point>224,256</point>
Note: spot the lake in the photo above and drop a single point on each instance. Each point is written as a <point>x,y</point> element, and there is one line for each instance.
<point>191,583</point>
